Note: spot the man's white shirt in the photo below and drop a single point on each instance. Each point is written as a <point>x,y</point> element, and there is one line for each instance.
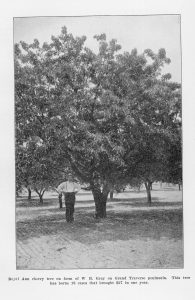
<point>69,187</point>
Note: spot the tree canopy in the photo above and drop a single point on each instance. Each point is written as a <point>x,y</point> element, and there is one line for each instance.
<point>109,117</point>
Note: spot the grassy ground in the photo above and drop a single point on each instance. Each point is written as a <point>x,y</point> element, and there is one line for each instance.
<point>133,235</point>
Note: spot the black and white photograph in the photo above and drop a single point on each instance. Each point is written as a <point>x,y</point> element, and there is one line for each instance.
<point>98,142</point>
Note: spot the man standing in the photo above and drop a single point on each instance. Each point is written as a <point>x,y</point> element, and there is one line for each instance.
<point>69,189</point>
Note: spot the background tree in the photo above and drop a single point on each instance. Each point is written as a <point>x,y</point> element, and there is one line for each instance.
<point>35,129</point>
<point>152,109</point>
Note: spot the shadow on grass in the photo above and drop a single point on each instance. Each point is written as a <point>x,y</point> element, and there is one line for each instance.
<point>119,225</point>
<point>144,204</point>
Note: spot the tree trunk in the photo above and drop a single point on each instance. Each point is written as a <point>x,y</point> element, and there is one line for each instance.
<point>29,193</point>
<point>148,190</point>
<point>179,186</point>
<point>41,198</point>
<point>40,194</point>
<point>60,200</point>
<point>100,199</point>
<point>138,188</point>
<point>111,195</point>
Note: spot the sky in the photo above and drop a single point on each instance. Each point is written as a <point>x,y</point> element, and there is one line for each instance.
<point>141,32</point>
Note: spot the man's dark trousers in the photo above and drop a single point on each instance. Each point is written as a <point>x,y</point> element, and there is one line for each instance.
<point>69,202</point>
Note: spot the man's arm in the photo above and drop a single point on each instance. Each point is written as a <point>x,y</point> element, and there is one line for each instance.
<point>61,188</point>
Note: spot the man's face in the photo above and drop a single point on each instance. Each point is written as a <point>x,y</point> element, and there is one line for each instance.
<point>70,178</point>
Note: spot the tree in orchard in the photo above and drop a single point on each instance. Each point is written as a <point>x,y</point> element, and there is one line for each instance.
<point>35,129</point>
<point>150,127</point>
<point>75,116</point>
<point>150,105</point>
<point>33,170</point>
<point>96,148</point>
